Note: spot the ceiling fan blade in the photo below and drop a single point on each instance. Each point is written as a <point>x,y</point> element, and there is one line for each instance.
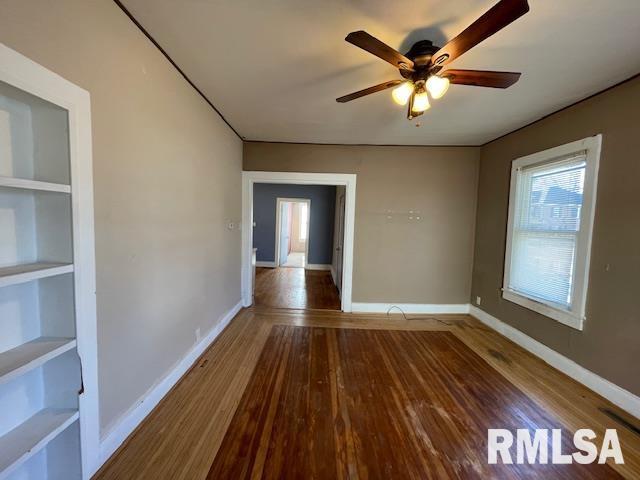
<point>368,91</point>
<point>482,78</point>
<point>381,50</point>
<point>498,17</point>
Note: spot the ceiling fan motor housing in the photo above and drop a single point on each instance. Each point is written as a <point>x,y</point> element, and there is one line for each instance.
<point>420,54</point>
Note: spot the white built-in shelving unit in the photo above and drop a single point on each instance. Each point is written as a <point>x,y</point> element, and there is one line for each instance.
<point>47,309</point>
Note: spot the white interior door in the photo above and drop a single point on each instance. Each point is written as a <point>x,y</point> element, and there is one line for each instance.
<point>340,243</point>
<point>285,232</point>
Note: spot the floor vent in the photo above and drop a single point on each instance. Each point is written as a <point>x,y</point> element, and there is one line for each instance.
<point>613,415</point>
<point>499,356</point>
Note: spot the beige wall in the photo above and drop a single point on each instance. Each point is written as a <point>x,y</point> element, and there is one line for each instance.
<point>609,344</point>
<point>167,179</point>
<point>398,260</point>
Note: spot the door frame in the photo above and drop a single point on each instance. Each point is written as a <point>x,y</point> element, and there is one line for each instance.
<point>25,74</point>
<point>339,265</point>
<point>279,202</point>
<point>249,178</point>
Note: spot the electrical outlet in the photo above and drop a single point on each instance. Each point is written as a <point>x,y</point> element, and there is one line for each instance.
<point>198,336</point>
<point>478,301</point>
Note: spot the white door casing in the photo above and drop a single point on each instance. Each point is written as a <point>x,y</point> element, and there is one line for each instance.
<point>249,178</point>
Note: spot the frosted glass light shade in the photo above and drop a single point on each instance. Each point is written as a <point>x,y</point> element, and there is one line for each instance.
<point>437,86</point>
<point>420,102</point>
<point>402,93</point>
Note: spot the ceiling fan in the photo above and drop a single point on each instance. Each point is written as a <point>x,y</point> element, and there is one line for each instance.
<point>421,67</point>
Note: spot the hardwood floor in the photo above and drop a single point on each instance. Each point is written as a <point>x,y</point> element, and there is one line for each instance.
<point>296,288</point>
<point>348,403</point>
<point>449,375</point>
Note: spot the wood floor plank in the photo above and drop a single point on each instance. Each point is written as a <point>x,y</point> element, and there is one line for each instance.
<point>181,437</point>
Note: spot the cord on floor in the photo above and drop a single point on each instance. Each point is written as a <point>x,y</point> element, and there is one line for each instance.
<point>404,315</point>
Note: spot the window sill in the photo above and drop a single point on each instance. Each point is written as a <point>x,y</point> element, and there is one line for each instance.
<point>562,316</point>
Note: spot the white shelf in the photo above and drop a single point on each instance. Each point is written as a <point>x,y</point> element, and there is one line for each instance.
<point>30,355</point>
<point>26,184</point>
<point>32,271</point>
<point>28,438</point>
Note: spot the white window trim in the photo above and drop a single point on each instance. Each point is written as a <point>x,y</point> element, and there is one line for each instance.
<point>575,317</point>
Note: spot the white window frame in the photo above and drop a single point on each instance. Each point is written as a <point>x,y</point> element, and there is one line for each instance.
<point>575,316</point>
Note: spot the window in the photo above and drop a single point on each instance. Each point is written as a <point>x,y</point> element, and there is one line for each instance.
<point>304,220</point>
<point>551,206</point>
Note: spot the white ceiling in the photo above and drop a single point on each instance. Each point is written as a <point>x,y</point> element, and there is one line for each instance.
<point>273,68</point>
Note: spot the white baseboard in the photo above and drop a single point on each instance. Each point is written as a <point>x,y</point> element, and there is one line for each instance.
<point>317,266</point>
<point>434,308</point>
<point>612,392</point>
<point>266,264</point>
<point>145,404</point>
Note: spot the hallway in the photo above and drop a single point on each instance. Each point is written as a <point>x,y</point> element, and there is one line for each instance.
<point>296,288</point>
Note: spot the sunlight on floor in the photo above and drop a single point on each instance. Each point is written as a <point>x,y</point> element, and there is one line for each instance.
<point>295,259</point>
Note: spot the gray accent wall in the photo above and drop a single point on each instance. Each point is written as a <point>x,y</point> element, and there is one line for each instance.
<point>321,219</point>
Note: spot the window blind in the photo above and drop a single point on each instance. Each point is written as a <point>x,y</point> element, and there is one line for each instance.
<point>545,229</point>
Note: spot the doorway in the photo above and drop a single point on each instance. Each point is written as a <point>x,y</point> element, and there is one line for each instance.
<point>292,232</point>
<point>312,272</point>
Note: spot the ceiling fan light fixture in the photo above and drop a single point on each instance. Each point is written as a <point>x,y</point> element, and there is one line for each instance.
<point>437,86</point>
<point>420,102</point>
<point>402,93</point>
